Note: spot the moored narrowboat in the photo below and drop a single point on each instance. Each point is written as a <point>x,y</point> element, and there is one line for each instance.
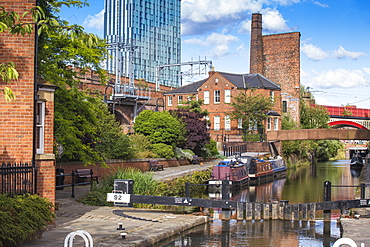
<point>235,172</point>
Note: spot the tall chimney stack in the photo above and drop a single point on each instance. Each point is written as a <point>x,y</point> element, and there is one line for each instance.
<point>256,49</point>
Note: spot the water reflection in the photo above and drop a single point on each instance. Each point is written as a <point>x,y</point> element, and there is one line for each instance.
<point>302,185</point>
<point>259,233</point>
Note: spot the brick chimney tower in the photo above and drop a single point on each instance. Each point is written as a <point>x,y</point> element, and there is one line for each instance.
<point>256,48</point>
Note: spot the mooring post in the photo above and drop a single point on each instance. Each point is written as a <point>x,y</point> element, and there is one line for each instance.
<point>257,211</point>
<point>266,211</point>
<point>240,206</point>
<point>363,187</point>
<point>282,205</point>
<point>224,190</point>
<point>249,211</point>
<point>327,198</point>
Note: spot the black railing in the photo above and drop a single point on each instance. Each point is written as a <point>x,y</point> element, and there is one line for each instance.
<point>231,150</point>
<point>74,175</point>
<point>18,178</point>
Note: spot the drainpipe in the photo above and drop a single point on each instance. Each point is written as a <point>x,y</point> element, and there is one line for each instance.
<point>35,88</point>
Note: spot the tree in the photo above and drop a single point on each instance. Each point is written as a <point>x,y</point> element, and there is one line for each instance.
<point>313,117</point>
<point>159,127</point>
<point>196,135</point>
<point>85,130</point>
<point>194,106</point>
<point>251,109</point>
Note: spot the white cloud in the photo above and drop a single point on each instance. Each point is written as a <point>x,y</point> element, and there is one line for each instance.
<point>304,73</point>
<point>324,5</point>
<point>96,21</point>
<point>273,21</point>
<point>219,43</point>
<point>367,70</point>
<point>209,10</point>
<point>314,52</point>
<point>342,53</point>
<point>341,78</point>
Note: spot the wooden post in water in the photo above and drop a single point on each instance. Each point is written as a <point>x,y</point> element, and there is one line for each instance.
<point>295,213</point>
<point>288,212</point>
<point>281,210</point>
<point>312,211</point>
<point>249,211</point>
<point>327,198</point>
<point>257,211</point>
<point>274,210</point>
<point>304,210</point>
<point>240,207</point>
<point>266,211</point>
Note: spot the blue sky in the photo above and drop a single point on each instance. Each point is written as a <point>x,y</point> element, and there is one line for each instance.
<point>335,34</point>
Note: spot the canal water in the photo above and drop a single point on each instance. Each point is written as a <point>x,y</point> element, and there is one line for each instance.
<point>301,185</point>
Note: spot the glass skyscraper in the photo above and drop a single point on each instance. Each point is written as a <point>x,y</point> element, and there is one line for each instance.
<point>143,34</point>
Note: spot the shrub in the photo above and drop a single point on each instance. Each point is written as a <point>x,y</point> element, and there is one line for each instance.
<point>211,147</point>
<point>163,150</point>
<point>22,217</point>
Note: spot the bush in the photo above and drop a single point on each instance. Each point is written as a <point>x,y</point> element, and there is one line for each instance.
<point>211,148</point>
<point>163,150</point>
<point>22,217</point>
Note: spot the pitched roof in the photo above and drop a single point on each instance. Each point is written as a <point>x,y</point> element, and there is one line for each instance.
<point>239,80</point>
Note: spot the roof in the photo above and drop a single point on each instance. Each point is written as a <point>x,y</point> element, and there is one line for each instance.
<point>240,81</point>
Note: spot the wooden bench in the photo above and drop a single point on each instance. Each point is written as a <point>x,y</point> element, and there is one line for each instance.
<point>154,166</point>
<point>83,174</point>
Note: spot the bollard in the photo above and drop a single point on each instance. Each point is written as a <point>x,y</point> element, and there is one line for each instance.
<point>240,210</point>
<point>120,226</point>
<point>257,211</point>
<point>363,187</point>
<point>249,211</point>
<point>187,190</point>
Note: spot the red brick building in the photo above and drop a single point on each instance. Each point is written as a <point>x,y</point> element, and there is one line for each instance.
<point>217,91</point>
<point>26,124</point>
<point>277,57</point>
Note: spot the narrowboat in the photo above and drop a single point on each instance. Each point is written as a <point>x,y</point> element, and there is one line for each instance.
<point>357,160</point>
<point>234,172</point>
<point>261,171</point>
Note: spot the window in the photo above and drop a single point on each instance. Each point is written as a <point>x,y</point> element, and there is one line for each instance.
<point>276,123</point>
<point>217,96</point>
<point>206,97</point>
<point>240,123</point>
<point>227,96</point>
<point>169,100</point>
<point>216,122</point>
<point>272,95</point>
<point>207,119</point>
<point>269,124</point>
<point>180,99</point>
<point>227,122</point>
<point>40,126</point>
<point>285,106</point>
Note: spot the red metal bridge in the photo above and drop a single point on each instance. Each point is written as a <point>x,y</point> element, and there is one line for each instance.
<point>348,116</point>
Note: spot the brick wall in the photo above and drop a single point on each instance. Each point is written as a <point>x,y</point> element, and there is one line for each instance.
<point>282,66</point>
<point>17,117</point>
<point>280,62</point>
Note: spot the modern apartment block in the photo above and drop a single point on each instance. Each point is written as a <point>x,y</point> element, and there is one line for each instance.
<point>143,35</point>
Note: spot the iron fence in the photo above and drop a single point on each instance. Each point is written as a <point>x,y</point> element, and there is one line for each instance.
<point>18,178</point>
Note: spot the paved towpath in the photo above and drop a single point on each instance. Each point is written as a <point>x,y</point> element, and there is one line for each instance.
<point>143,227</point>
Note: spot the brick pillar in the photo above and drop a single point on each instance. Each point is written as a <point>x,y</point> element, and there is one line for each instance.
<point>256,48</point>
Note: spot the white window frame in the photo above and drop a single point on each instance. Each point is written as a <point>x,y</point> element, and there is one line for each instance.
<point>169,101</point>
<point>216,122</point>
<point>40,127</point>
<point>227,122</point>
<point>217,96</point>
<point>227,96</point>
<point>276,123</point>
<point>269,123</point>
<point>206,97</point>
<point>240,123</point>
<point>272,96</point>
<point>180,99</point>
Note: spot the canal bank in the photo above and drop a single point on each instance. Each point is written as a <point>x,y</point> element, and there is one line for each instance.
<point>143,227</point>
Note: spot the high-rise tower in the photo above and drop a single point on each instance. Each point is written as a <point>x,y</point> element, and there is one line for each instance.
<point>143,34</point>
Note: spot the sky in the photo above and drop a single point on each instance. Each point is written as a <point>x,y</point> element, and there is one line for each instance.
<point>335,34</point>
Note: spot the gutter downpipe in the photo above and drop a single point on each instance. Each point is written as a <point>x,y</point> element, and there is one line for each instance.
<point>35,104</point>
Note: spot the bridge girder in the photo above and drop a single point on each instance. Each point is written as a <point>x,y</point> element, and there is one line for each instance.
<point>341,123</point>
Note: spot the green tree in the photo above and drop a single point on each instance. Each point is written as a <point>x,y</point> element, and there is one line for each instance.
<point>85,130</point>
<point>251,109</point>
<point>313,117</point>
<point>159,127</point>
<point>194,106</point>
